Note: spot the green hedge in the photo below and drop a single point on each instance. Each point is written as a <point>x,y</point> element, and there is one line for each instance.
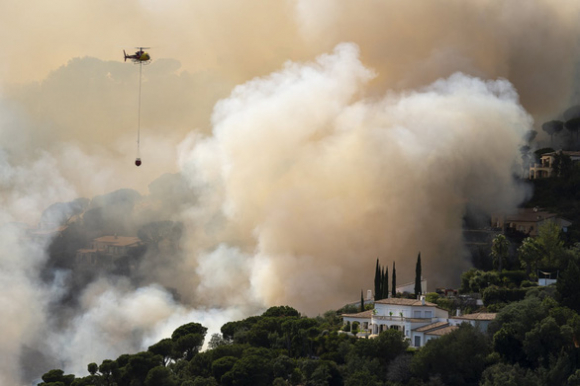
<point>495,295</point>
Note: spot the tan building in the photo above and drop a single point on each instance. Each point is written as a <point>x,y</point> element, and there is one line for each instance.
<point>116,245</point>
<point>105,250</point>
<point>527,221</point>
<point>545,169</point>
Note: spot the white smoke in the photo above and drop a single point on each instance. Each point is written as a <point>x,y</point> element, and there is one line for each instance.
<point>318,181</point>
<point>25,190</point>
<point>115,318</point>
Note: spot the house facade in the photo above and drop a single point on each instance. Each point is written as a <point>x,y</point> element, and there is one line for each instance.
<point>116,246</point>
<point>105,250</point>
<point>418,320</point>
<point>480,320</point>
<point>527,221</point>
<point>545,168</point>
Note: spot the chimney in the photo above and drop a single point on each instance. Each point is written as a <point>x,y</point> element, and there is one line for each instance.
<point>422,300</point>
<point>458,312</point>
<point>370,295</point>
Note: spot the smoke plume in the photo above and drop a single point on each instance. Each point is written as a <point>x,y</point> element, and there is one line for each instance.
<point>318,183</point>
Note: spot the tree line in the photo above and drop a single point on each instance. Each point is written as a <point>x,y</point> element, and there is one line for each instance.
<point>534,339</point>
<point>382,281</point>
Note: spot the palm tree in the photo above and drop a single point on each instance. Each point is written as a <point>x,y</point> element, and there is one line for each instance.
<point>499,251</point>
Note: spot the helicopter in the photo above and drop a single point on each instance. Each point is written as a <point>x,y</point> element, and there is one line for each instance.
<point>140,56</point>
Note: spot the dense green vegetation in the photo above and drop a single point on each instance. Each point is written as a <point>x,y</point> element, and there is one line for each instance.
<point>533,341</point>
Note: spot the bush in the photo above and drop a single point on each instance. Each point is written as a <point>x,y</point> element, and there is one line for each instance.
<point>346,327</point>
<point>513,277</point>
<point>494,295</point>
<point>355,326</point>
<point>528,284</point>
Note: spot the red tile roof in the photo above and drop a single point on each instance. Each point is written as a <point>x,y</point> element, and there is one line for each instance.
<point>442,331</point>
<point>432,326</point>
<point>118,241</point>
<point>364,314</point>
<point>529,215</point>
<point>405,302</point>
<point>476,316</point>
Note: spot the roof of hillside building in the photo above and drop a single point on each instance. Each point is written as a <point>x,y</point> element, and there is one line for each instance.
<point>432,326</point>
<point>529,215</point>
<point>442,331</point>
<point>569,153</point>
<point>119,241</point>
<point>405,302</point>
<point>364,314</point>
<point>476,316</point>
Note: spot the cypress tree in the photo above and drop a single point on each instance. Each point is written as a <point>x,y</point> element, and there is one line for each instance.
<point>362,301</point>
<point>394,291</point>
<point>379,294</point>
<point>377,281</point>
<point>418,289</point>
<point>385,282</point>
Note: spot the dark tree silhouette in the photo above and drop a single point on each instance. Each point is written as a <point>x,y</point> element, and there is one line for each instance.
<point>552,127</point>
<point>394,291</point>
<point>418,289</point>
<point>572,120</point>
<point>378,291</point>
<point>385,282</point>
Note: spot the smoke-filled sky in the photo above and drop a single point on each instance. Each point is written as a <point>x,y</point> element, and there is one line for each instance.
<point>312,137</point>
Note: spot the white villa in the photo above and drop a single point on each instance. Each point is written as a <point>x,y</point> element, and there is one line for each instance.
<point>418,320</point>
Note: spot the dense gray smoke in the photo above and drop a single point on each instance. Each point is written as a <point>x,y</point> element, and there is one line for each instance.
<point>286,146</point>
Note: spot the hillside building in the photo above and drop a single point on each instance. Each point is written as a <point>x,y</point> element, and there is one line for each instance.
<point>527,221</point>
<point>545,168</point>
<point>105,250</point>
<point>418,320</point>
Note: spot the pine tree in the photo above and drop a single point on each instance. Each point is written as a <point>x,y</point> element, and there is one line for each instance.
<point>385,282</point>
<point>568,285</point>
<point>394,291</point>
<point>418,289</point>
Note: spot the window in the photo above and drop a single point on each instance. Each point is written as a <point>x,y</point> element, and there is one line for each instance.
<point>417,341</point>
<point>428,314</point>
<point>416,314</point>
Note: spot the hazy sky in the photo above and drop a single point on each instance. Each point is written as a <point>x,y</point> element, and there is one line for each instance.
<point>316,137</point>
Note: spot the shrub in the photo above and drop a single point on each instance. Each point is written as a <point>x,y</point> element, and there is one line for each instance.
<point>346,327</point>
